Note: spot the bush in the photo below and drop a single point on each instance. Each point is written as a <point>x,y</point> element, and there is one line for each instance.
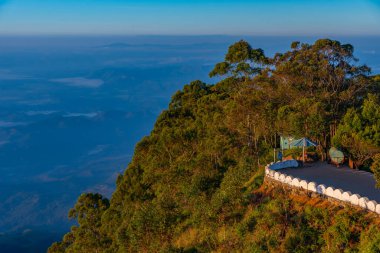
<point>375,167</point>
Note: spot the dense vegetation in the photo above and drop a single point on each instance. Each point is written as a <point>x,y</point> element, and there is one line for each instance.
<point>195,183</point>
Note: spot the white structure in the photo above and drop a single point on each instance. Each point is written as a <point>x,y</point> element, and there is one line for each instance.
<point>312,186</point>
<point>354,199</point>
<point>371,205</point>
<point>330,191</point>
<point>321,189</point>
<point>274,171</point>
<point>346,196</point>
<point>338,193</point>
<point>303,184</point>
<point>363,202</point>
<point>288,180</point>
<point>378,208</point>
<point>296,182</point>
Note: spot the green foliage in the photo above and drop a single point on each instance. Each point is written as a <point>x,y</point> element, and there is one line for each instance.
<point>195,183</point>
<point>306,117</point>
<point>376,78</point>
<point>240,59</point>
<point>344,232</point>
<point>370,240</point>
<point>359,131</point>
<point>88,236</point>
<point>294,153</point>
<point>375,167</point>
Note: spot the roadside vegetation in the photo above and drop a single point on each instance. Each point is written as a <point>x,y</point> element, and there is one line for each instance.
<point>195,183</point>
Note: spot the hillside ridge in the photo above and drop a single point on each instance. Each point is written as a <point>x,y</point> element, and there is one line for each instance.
<point>195,184</point>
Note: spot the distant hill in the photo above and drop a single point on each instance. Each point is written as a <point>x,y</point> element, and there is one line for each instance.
<point>175,46</point>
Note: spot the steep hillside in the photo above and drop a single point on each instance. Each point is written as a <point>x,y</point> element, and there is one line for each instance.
<point>195,184</point>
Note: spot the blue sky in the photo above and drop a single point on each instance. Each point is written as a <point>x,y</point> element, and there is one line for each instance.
<point>200,17</point>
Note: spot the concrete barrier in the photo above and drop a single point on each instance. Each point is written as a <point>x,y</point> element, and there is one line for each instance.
<point>378,208</point>
<point>354,199</point>
<point>289,180</point>
<point>338,194</point>
<point>321,189</point>
<point>371,205</point>
<point>363,202</point>
<point>303,184</point>
<point>346,196</point>
<point>330,191</point>
<point>312,186</point>
<point>296,182</point>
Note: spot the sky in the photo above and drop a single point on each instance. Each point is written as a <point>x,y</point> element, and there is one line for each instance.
<point>186,17</point>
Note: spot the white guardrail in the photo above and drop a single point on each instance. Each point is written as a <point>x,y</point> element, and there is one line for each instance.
<point>272,171</point>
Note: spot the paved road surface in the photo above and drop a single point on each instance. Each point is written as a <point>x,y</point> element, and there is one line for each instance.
<point>359,182</point>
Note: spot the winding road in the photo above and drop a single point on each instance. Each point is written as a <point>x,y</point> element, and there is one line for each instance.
<point>347,179</point>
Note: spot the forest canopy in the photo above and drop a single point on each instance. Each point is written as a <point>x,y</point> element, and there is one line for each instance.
<point>195,183</point>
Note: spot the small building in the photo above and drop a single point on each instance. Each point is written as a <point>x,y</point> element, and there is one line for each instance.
<point>285,142</point>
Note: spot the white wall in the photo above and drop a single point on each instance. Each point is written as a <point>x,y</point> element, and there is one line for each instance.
<point>273,171</point>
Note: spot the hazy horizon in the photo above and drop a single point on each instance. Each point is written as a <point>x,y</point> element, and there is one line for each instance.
<point>257,17</point>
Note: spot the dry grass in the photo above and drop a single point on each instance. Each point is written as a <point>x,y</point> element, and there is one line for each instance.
<point>302,198</point>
